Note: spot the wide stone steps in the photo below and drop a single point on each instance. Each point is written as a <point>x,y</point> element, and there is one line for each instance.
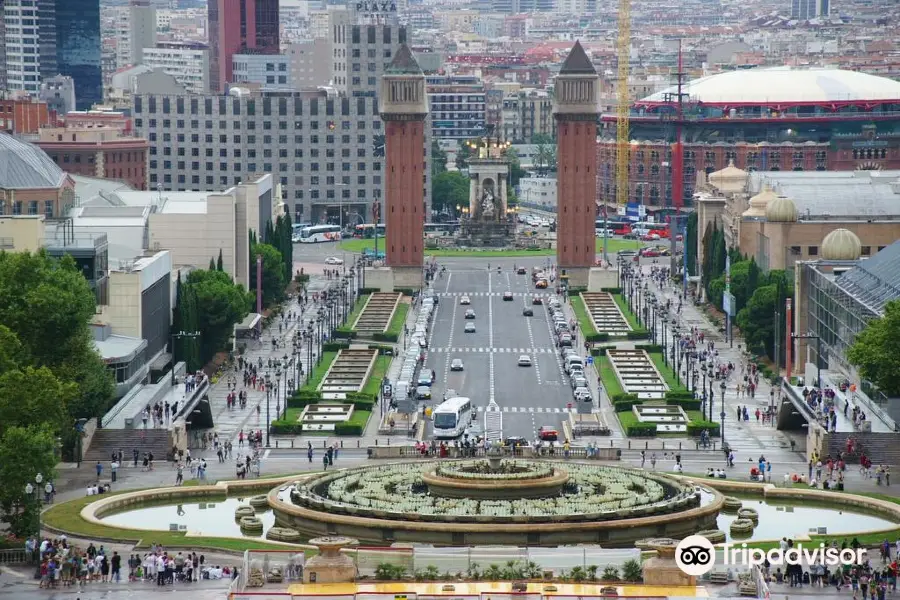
<point>106,441</point>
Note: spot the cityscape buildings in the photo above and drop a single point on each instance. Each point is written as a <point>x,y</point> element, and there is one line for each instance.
<point>235,27</point>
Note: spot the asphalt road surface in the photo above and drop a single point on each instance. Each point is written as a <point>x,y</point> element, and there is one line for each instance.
<point>530,397</point>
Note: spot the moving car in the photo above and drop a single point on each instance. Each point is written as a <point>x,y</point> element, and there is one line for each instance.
<point>524,360</point>
<point>423,392</point>
<point>537,300</point>
<point>527,312</point>
<point>541,284</point>
<point>520,271</point>
<point>515,441</point>
<point>334,260</point>
<point>649,252</point>
<point>507,296</point>
<point>465,300</point>
<point>456,364</point>
<point>470,328</point>
<point>470,313</point>
<point>548,433</point>
<point>426,378</point>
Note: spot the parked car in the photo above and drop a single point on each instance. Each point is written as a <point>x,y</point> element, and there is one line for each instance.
<point>423,392</point>
<point>537,300</point>
<point>334,260</point>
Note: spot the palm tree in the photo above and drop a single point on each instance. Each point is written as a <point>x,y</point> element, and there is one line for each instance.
<point>494,573</point>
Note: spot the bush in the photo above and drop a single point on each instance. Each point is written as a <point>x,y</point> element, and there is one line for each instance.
<point>633,398</point>
<point>282,427</point>
<point>406,291</point>
<point>679,395</point>
<point>685,403</point>
<point>641,430</point>
<point>624,405</point>
<point>649,348</point>
<point>383,350</point>
<point>638,334</point>
<point>386,337</point>
<point>368,290</point>
<point>695,428</point>
<point>598,351</point>
<point>344,333</point>
<point>612,290</point>
<point>597,337</point>
<point>335,346</point>
<point>348,429</point>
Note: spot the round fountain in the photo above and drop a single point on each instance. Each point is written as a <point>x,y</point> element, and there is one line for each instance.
<point>495,478</point>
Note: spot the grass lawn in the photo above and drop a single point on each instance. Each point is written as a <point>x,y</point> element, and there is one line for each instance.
<point>360,417</point>
<point>357,310</point>
<point>373,383</point>
<point>629,316</point>
<point>581,314</point>
<point>398,320</point>
<point>66,516</point>
<point>608,377</point>
<point>667,373</point>
<point>318,372</point>
<point>614,245</point>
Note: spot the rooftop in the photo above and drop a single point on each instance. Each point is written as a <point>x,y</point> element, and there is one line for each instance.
<point>835,195</point>
<point>119,348</point>
<point>785,85</point>
<point>26,167</point>
<point>577,63</point>
<point>875,281</point>
<point>404,63</point>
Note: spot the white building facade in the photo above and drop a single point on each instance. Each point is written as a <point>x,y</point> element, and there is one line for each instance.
<point>187,62</point>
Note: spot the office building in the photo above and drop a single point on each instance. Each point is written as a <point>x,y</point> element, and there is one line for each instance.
<point>457,106</point>
<point>267,71</point>
<point>806,10</point>
<point>24,116</point>
<point>135,30</point>
<point>45,38</point>
<point>59,94</point>
<point>104,152</point>
<point>187,62</point>
<point>310,64</point>
<point>239,27</point>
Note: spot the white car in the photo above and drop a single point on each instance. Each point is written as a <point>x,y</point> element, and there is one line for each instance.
<point>470,327</point>
<point>456,364</point>
<point>334,260</point>
<point>465,300</point>
<point>524,360</point>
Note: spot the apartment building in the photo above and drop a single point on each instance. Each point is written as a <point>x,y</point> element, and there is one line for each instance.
<point>135,30</point>
<point>525,114</point>
<point>457,107</point>
<point>310,63</point>
<point>187,62</point>
<point>268,71</point>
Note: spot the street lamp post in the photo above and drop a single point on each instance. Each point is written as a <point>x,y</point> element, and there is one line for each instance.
<point>279,388</point>
<point>309,355</point>
<point>33,491</point>
<point>722,387</point>
<point>812,336</point>
<point>664,347</point>
<point>179,335</point>
<point>268,417</point>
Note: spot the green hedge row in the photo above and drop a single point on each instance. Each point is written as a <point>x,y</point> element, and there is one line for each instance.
<point>335,346</point>
<point>359,400</point>
<point>406,291</point>
<point>283,427</point>
<point>679,395</point>
<point>597,337</point>
<point>641,430</point>
<point>612,290</point>
<point>386,337</point>
<point>695,428</point>
<point>368,290</point>
<point>638,334</point>
<point>686,404</point>
<point>649,348</point>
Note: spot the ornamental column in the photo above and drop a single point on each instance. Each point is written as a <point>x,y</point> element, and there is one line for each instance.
<point>403,108</point>
<point>576,97</point>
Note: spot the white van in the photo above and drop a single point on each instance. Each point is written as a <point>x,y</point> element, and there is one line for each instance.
<point>573,359</point>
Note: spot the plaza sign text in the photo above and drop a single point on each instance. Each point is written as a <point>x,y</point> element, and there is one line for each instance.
<point>376,6</point>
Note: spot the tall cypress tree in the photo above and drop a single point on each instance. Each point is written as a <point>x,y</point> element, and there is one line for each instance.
<point>212,264</point>
<point>219,264</point>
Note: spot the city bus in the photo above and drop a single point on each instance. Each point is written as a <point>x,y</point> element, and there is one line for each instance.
<point>439,229</point>
<point>320,233</point>
<point>616,227</point>
<point>452,417</point>
<point>367,230</point>
<point>296,228</point>
<point>646,227</point>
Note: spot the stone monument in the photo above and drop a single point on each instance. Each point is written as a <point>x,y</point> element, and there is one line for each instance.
<point>486,222</point>
<point>662,568</point>
<point>330,565</point>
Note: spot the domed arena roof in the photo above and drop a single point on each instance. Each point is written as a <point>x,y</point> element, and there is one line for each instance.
<point>759,202</point>
<point>841,244</point>
<point>781,210</point>
<point>785,85</point>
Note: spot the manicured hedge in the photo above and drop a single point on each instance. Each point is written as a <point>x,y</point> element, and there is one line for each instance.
<point>649,348</point>
<point>348,429</point>
<point>382,349</point>
<point>344,333</point>
<point>695,428</point>
<point>679,395</point>
<point>597,337</point>
<point>386,337</point>
<point>283,427</point>
<point>335,346</point>
<point>406,291</point>
<point>685,403</point>
<point>633,398</point>
<point>642,430</point>
<point>612,290</point>
<point>624,405</point>
<point>638,334</point>
<point>368,290</point>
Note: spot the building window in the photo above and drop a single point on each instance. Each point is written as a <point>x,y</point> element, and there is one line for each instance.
<point>48,209</point>
<point>813,250</point>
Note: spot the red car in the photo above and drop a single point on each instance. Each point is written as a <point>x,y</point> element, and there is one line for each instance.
<point>548,433</point>
<point>650,252</point>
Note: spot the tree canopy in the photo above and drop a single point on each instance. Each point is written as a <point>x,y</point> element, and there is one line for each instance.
<point>448,190</point>
<point>545,152</point>
<point>274,281</point>
<point>438,160</point>
<point>876,350</point>
<point>223,304</point>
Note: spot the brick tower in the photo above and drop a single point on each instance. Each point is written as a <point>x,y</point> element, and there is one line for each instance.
<point>577,92</point>
<point>404,107</point>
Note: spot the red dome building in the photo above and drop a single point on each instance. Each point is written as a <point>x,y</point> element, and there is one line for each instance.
<point>766,119</point>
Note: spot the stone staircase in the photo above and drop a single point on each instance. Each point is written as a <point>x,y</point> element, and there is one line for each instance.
<point>376,316</point>
<point>880,447</point>
<point>106,441</point>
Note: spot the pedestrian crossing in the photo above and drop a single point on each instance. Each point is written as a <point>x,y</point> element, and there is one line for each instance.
<point>531,409</point>
<point>541,294</point>
<point>483,350</point>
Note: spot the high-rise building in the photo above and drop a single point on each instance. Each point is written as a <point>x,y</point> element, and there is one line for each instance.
<point>239,27</point>
<point>135,30</point>
<point>806,10</point>
<point>78,49</point>
<point>457,106</point>
<point>187,62</point>
<point>45,38</point>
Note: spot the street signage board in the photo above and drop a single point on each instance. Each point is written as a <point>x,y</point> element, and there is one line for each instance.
<point>590,360</point>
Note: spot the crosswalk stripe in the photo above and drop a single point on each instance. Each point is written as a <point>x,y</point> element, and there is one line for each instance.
<point>494,350</point>
<point>530,409</point>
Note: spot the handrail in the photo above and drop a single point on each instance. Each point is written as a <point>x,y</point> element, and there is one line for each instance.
<point>190,401</point>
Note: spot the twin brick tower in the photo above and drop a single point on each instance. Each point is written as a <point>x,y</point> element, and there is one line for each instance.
<point>404,108</point>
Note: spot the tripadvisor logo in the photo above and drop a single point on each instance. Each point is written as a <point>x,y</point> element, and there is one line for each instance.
<point>695,555</point>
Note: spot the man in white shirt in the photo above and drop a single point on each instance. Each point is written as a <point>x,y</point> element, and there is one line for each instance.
<point>160,570</point>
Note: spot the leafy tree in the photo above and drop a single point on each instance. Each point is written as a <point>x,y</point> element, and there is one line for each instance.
<point>34,395</point>
<point>545,152</point>
<point>219,263</point>
<point>47,305</point>
<point>224,304</point>
<point>11,350</point>
<point>876,350</point>
<point>274,281</point>
<point>757,320</point>
<point>464,152</point>
<point>516,172</point>
<point>438,160</point>
<point>448,190</point>
<point>24,452</point>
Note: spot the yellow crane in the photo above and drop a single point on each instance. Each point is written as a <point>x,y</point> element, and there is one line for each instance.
<point>623,47</point>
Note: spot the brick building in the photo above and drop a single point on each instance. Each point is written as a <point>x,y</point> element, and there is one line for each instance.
<point>24,116</point>
<point>98,152</point>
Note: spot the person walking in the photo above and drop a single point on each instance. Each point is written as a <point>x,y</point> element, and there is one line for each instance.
<point>116,564</point>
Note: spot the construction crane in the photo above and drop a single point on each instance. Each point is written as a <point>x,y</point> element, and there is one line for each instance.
<point>623,47</point>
